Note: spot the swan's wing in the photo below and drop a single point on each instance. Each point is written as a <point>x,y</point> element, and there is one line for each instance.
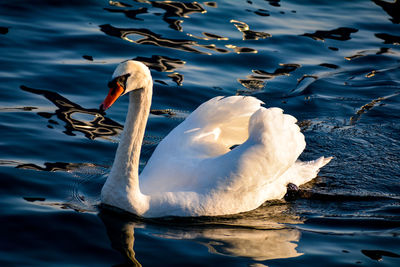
<point>217,125</point>
<point>209,131</point>
<point>251,173</point>
<point>273,146</point>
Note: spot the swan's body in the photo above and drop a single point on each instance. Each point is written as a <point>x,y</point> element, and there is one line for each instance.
<point>193,171</point>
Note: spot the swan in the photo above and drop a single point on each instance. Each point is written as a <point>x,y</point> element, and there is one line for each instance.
<point>228,156</point>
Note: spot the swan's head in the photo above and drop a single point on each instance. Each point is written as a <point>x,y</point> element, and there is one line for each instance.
<point>128,76</point>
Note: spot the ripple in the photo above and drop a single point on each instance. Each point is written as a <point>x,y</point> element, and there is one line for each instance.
<point>3,30</point>
<point>162,63</point>
<point>340,34</point>
<point>177,9</point>
<point>345,94</point>
<point>99,126</point>
<point>56,166</point>
<point>388,38</point>
<point>208,36</point>
<point>378,254</point>
<point>252,85</point>
<point>274,3</point>
<point>241,50</point>
<point>365,108</point>
<point>285,69</point>
<point>392,8</point>
<point>262,12</point>
<point>211,4</point>
<point>177,78</point>
<point>129,13</point>
<point>328,65</point>
<point>118,4</point>
<point>151,38</point>
<point>247,33</point>
<point>90,58</point>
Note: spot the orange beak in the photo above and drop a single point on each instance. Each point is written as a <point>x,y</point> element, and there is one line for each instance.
<point>116,91</point>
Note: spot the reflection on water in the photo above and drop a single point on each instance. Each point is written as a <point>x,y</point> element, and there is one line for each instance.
<point>388,38</point>
<point>128,13</point>
<point>164,64</point>
<point>3,30</point>
<point>259,245</point>
<point>161,63</point>
<point>340,34</point>
<point>230,236</point>
<point>378,254</point>
<point>172,9</point>
<point>247,33</point>
<point>254,83</point>
<point>176,9</point>
<point>55,166</point>
<point>345,93</point>
<point>392,8</point>
<point>122,236</point>
<point>274,3</point>
<point>365,108</point>
<point>119,4</point>
<point>208,36</point>
<point>99,126</point>
<point>177,78</point>
<point>73,115</point>
<point>150,38</point>
<point>285,69</point>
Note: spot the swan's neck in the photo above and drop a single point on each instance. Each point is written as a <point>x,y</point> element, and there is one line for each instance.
<point>122,186</point>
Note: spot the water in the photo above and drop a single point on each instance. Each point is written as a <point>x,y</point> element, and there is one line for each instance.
<point>335,65</point>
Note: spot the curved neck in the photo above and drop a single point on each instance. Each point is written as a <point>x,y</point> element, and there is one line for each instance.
<point>122,186</point>
<point>128,153</point>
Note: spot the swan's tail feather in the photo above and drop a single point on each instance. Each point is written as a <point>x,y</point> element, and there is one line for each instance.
<point>303,172</point>
<point>279,135</point>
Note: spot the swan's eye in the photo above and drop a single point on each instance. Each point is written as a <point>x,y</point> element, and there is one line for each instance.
<point>120,80</point>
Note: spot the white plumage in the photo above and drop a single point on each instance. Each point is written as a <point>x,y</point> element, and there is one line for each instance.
<point>193,171</point>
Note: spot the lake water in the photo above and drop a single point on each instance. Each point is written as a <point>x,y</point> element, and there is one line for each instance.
<point>334,65</point>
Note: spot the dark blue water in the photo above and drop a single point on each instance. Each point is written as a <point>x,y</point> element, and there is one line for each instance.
<point>335,65</point>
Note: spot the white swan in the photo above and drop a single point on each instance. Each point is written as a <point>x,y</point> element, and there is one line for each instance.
<point>193,171</point>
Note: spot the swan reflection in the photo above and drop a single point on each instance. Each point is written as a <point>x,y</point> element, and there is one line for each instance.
<point>240,236</point>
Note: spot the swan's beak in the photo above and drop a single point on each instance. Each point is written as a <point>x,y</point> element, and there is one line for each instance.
<point>116,91</point>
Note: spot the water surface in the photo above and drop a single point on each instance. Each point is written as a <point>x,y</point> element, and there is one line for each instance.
<point>334,65</point>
